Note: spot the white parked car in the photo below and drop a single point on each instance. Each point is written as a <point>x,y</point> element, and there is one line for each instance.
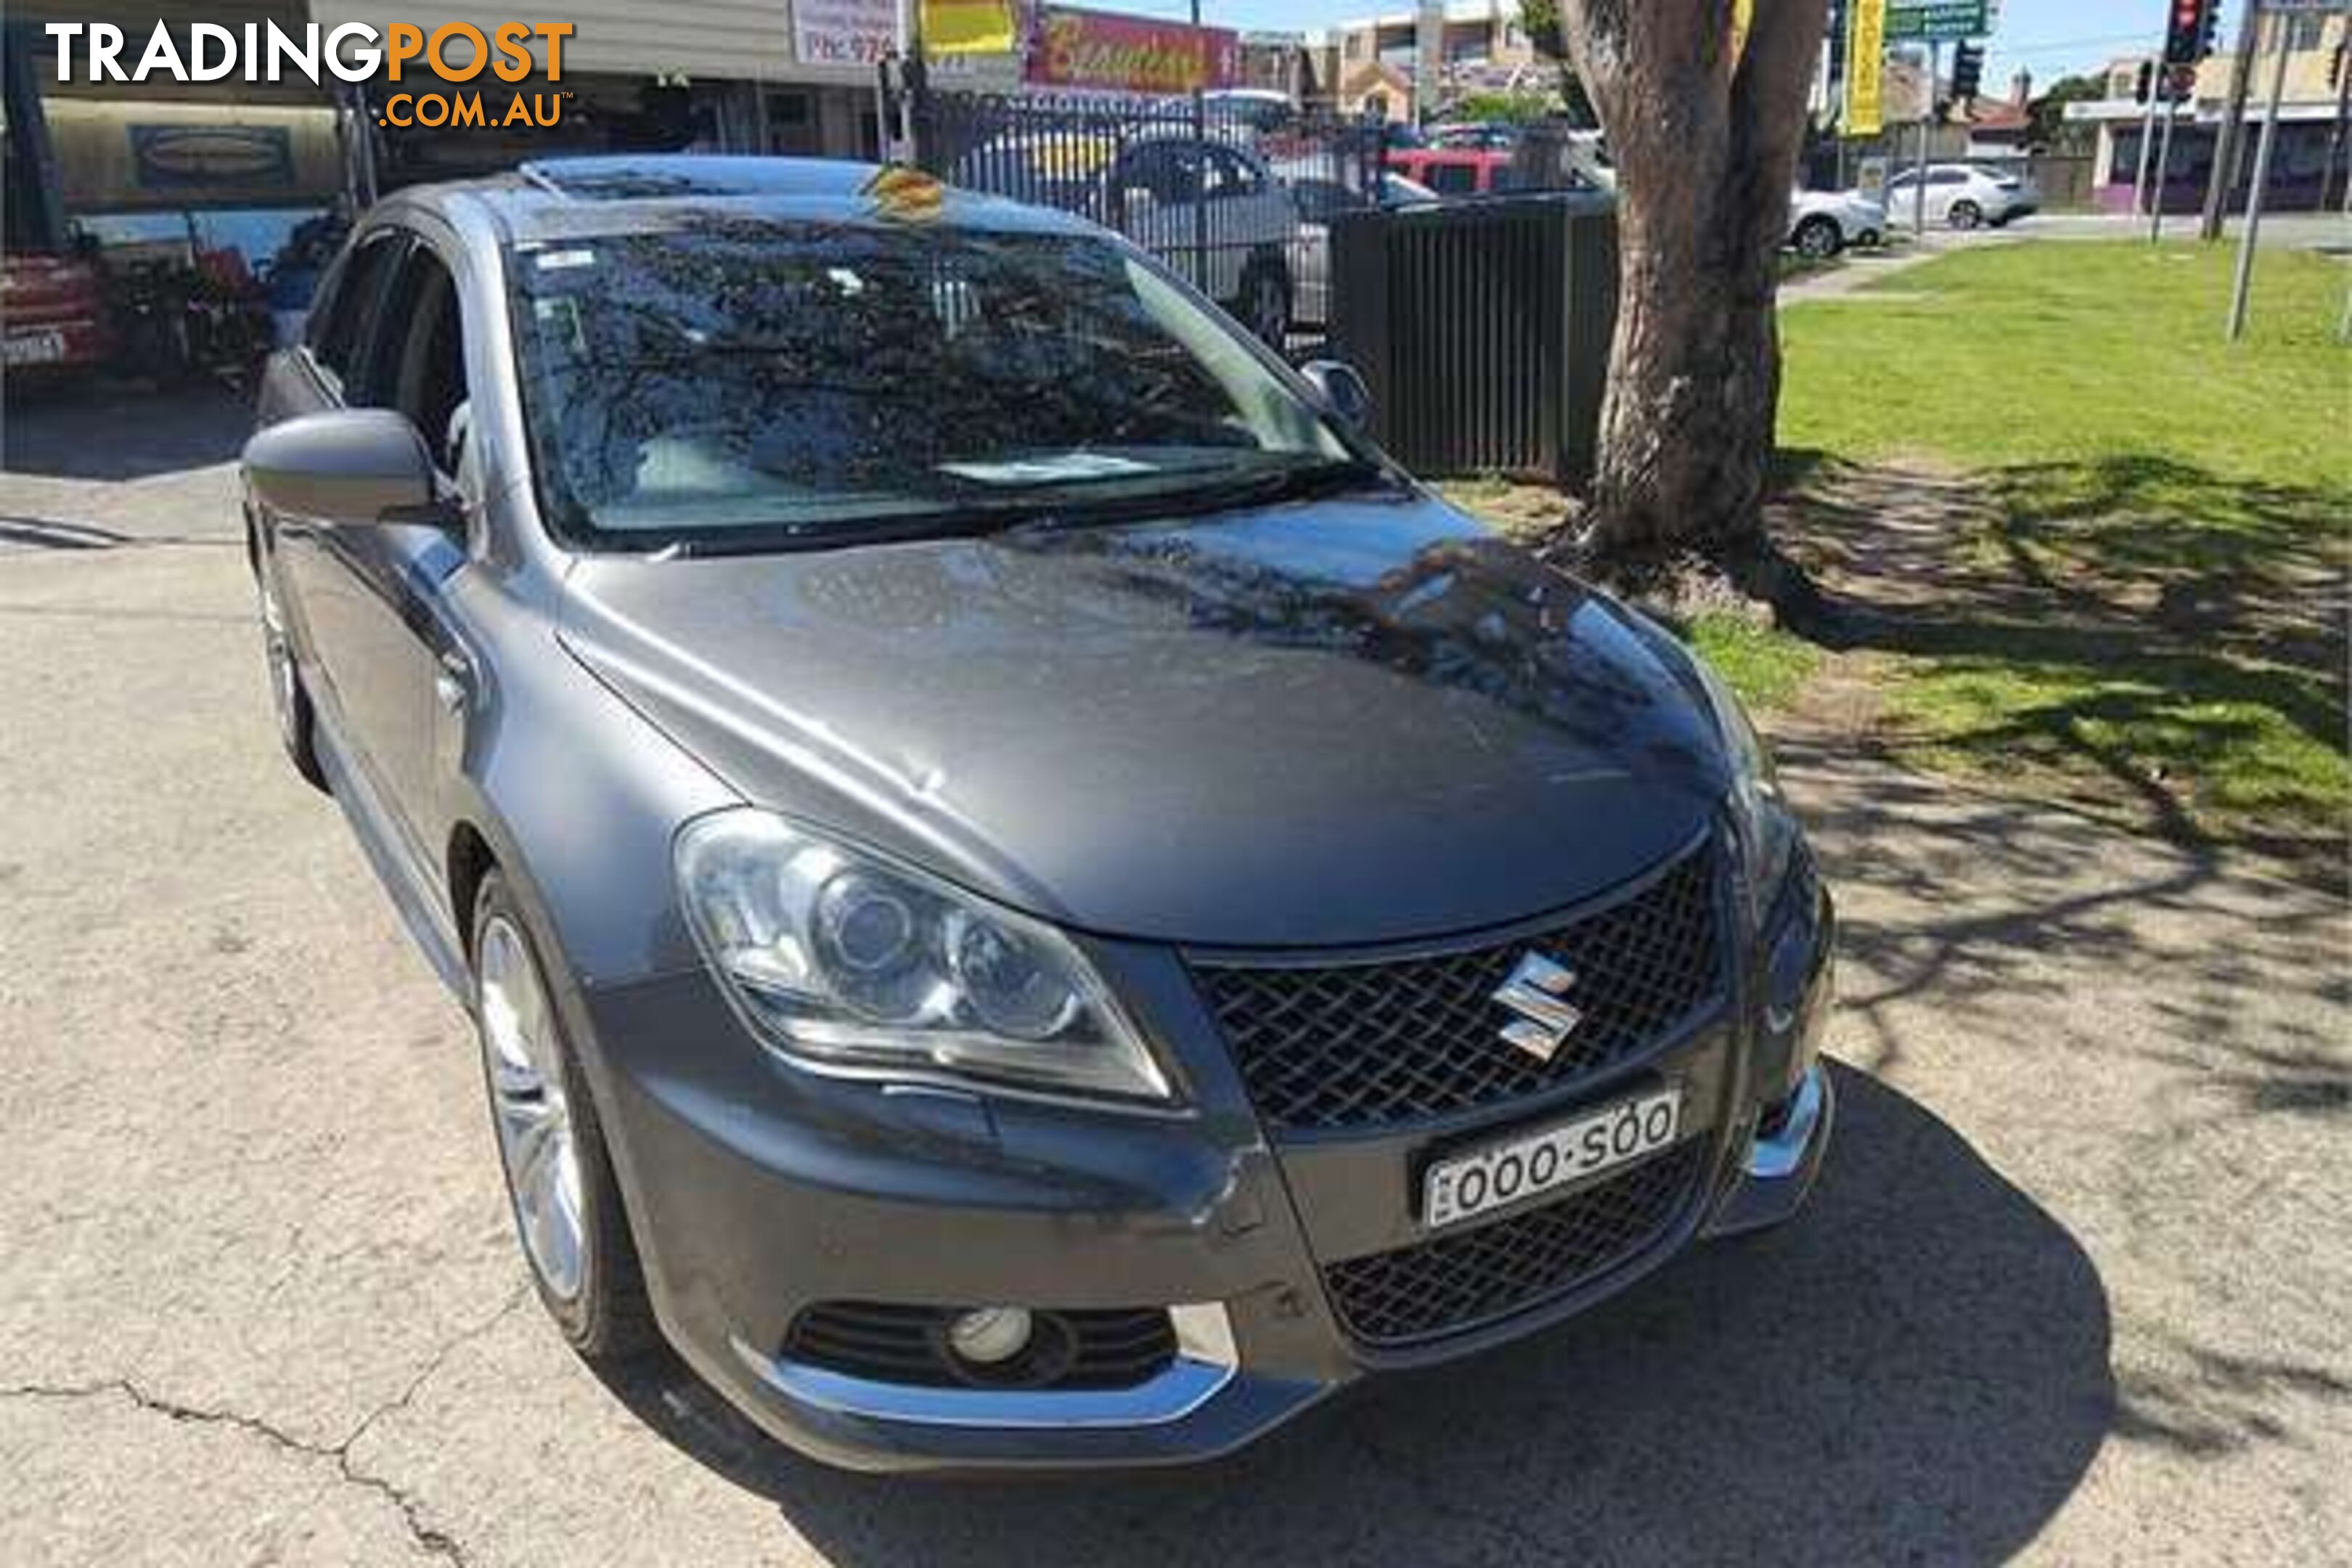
<point>1169,191</point>
<point>1964,196</point>
<point>1319,199</point>
<point>1823,223</point>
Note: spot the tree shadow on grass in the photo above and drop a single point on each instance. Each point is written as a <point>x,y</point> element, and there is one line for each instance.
<point>1919,1365</point>
<point>2140,632</point>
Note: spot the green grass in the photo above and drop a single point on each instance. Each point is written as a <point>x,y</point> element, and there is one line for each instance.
<point>2061,351</point>
<point>1764,664</point>
<point>2143,594</point>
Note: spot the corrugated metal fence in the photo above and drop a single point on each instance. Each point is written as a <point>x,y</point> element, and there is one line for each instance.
<point>1482,328</point>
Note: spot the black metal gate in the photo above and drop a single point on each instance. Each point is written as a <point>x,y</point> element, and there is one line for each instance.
<point>1233,195</point>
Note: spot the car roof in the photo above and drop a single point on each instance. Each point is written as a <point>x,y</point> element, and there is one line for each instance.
<point>555,198</point>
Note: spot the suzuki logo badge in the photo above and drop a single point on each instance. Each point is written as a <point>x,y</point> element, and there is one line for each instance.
<point>1536,991</point>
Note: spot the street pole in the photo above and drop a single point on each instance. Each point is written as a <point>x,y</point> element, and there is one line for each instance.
<point>2343,108</point>
<point>2163,165</point>
<point>1919,169</point>
<point>1200,138</point>
<point>2230,134</point>
<point>2246,241</point>
<point>2148,132</point>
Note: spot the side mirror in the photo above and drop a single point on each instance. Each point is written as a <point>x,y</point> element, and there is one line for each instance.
<point>1343,389</point>
<point>350,464</point>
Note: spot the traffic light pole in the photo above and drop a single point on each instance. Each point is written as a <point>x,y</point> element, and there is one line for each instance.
<point>2252,231</point>
<point>2231,135</point>
<point>2148,133</point>
<point>2163,163</point>
<point>2343,67</point>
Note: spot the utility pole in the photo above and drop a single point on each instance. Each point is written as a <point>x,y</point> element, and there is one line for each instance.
<point>2252,231</point>
<point>2230,134</point>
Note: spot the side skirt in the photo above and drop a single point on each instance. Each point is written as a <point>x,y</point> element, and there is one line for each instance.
<point>415,891</point>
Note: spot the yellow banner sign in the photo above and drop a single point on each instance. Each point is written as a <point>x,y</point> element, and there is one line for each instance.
<point>1865,67</point>
<point>968,27</point>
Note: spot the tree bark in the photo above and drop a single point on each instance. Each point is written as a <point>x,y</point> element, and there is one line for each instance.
<point>1706,150</point>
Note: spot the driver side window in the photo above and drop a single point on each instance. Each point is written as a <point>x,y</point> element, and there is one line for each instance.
<point>418,365</point>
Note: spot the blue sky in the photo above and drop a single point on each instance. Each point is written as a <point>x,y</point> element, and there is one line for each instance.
<point>2048,38</point>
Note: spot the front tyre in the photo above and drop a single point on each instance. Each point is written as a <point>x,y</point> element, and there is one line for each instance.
<point>1819,238</point>
<point>558,1176</point>
<point>1966,216</point>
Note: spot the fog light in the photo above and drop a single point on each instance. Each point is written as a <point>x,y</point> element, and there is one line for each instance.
<point>989,1335</point>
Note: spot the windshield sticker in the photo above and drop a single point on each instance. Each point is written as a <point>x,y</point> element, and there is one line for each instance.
<point>556,261</point>
<point>1046,470</point>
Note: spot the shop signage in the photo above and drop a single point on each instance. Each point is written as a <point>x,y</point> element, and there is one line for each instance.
<point>844,32</point>
<point>1112,53</point>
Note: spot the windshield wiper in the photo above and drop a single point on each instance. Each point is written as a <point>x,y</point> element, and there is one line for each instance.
<point>1211,493</point>
<point>1038,512</point>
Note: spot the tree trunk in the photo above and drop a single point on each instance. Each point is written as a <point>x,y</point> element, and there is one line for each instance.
<point>1705,151</point>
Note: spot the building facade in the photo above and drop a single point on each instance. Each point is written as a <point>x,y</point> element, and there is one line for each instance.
<point>1411,65</point>
<point>2311,162</point>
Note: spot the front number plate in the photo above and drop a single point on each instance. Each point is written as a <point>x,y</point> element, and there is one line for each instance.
<point>1512,1173</point>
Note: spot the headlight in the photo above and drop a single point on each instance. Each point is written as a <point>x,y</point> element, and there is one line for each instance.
<point>1768,833</point>
<point>838,959</point>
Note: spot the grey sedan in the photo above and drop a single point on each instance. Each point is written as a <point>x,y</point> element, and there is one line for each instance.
<point>1026,899</point>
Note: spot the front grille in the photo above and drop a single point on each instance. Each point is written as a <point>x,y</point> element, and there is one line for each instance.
<point>1455,1282</point>
<point>1083,1348</point>
<point>1386,1041</point>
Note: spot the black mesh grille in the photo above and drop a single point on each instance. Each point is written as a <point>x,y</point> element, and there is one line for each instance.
<point>1397,1040</point>
<point>1089,1348</point>
<point>1456,1281</point>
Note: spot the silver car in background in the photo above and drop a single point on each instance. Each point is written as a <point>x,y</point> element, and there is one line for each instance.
<point>1824,223</point>
<point>1964,196</point>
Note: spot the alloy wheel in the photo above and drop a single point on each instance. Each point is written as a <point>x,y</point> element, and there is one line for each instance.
<point>536,1132</point>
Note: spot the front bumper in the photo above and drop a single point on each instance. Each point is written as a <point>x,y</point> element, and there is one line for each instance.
<point>757,1190</point>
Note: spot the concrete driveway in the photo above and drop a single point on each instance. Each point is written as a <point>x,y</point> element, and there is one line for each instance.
<point>2074,1287</point>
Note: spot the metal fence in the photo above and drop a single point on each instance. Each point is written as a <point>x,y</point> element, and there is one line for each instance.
<point>1235,199</point>
<point>1482,328</point>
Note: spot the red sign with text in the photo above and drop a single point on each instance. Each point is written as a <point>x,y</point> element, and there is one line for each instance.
<point>1114,53</point>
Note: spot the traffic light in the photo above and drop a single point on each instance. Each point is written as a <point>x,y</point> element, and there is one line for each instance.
<point>2147,80</point>
<point>1968,71</point>
<point>2189,30</point>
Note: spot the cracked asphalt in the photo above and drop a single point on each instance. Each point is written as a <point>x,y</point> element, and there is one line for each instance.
<point>2072,1289</point>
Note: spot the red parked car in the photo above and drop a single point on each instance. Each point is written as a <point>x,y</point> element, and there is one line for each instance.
<point>52,313</point>
<point>1454,171</point>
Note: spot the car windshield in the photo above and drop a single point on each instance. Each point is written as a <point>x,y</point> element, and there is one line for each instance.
<point>738,378</point>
